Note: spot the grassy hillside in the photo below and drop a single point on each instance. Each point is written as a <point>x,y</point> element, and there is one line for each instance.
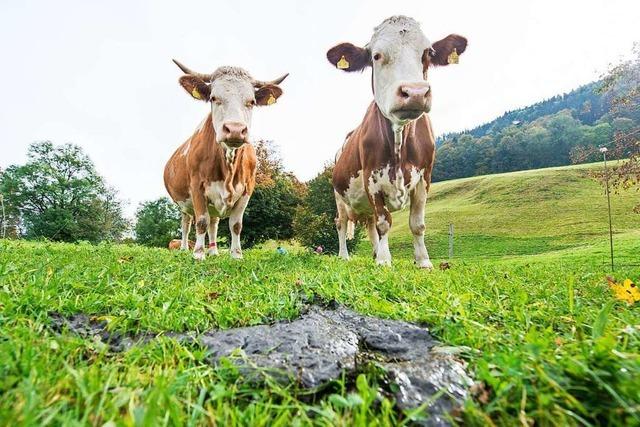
<point>542,334</point>
<point>519,213</point>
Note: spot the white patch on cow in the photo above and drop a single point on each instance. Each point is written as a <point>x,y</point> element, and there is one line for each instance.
<point>355,197</point>
<point>231,95</point>
<point>383,255</point>
<point>396,192</point>
<point>237,213</point>
<point>220,200</point>
<point>229,154</point>
<point>401,43</point>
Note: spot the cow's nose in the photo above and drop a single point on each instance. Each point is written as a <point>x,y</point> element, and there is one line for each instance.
<point>413,94</point>
<point>234,131</point>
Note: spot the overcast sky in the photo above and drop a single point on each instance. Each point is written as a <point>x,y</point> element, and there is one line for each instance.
<point>99,74</point>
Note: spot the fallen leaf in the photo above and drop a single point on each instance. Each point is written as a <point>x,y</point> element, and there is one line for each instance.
<point>444,265</point>
<point>626,291</point>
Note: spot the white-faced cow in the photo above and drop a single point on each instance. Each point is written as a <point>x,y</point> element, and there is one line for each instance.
<point>212,175</point>
<point>386,161</point>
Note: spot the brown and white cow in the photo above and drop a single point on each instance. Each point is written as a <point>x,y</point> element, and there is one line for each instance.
<point>386,162</point>
<point>212,175</point>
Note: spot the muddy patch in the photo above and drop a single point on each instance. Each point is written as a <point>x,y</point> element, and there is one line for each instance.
<point>322,345</point>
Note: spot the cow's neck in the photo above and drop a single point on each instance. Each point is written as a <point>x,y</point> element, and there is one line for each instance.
<point>395,136</point>
<point>226,159</point>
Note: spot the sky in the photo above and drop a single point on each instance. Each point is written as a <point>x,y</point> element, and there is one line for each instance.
<point>99,74</point>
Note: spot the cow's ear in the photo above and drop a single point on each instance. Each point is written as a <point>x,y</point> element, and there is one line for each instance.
<point>348,57</point>
<point>268,94</point>
<point>195,87</point>
<point>445,51</point>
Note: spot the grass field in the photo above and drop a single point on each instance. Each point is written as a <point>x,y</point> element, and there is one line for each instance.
<point>542,334</point>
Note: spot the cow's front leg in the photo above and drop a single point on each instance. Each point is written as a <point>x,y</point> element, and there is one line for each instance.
<point>202,220</point>
<point>416,224</point>
<point>186,228</point>
<point>235,226</point>
<point>213,236</point>
<point>373,235</point>
<point>342,221</point>
<point>383,226</point>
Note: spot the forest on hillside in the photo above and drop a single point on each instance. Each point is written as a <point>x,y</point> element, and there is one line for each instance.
<point>545,134</point>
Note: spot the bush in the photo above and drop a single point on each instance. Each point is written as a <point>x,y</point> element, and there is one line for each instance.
<point>157,223</point>
<point>314,222</point>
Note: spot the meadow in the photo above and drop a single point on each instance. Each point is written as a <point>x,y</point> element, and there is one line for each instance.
<point>525,303</point>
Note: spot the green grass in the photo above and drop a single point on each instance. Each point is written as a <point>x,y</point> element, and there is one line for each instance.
<point>539,328</point>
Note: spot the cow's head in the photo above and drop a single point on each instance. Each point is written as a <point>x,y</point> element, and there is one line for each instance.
<point>400,56</point>
<point>232,93</point>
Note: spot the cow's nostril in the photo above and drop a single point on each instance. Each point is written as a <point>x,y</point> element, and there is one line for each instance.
<point>225,129</point>
<point>244,131</point>
<point>404,93</point>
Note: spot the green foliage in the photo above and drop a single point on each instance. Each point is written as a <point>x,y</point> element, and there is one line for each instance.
<point>314,223</point>
<point>157,222</point>
<point>58,195</point>
<point>269,215</point>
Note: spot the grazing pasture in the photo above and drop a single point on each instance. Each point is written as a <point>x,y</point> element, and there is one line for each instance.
<point>540,329</point>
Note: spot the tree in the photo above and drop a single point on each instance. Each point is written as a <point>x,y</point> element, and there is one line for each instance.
<point>314,224</point>
<point>269,215</point>
<point>157,222</point>
<point>58,195</point>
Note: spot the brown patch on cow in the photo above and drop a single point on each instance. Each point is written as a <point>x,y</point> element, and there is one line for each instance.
<point>443,49</point>
<point>237,228</point>
<point>358,58</point>
<point>195,87</point>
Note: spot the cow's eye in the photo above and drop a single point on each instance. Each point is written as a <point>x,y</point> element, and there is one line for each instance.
<point>377,57</point>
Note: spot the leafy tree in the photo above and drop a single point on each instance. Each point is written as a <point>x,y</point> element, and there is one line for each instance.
<point>269,215</point>
<point>157,222</point>
<point>314,222</point>
<point>58,195</point>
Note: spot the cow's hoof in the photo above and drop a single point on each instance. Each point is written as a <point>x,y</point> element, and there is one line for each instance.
<point>236,254</point>
<point>214,252</point>
<point>425,263</point>
<point>199,255</point>
<point>385,262</point>
<point>344,256</point>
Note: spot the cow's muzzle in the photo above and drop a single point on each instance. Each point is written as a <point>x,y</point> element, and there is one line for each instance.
<point>234,134</point>
<point>412,99</point>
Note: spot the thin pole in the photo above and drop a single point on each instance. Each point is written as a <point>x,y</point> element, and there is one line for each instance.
<point>4,218</point>
<point>450,241</point>
<point>606,173</point>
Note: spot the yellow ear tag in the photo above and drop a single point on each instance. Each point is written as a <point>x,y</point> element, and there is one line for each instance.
<point>453,57</point>
<point>271,100</point>
<point>196,94</point>
<point>343,64</point>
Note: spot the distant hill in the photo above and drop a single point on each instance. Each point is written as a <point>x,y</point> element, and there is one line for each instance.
<point>585,102</point>
<point>548,133</point>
